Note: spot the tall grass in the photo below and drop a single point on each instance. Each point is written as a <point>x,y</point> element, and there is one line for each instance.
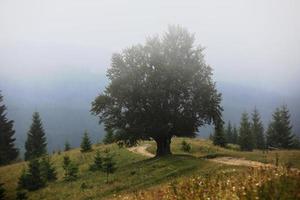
<point>253,183</point>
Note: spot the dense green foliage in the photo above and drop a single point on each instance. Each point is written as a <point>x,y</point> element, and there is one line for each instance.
<point>8,151</point>
<point>257,130</point>
<point>279,133</point>
<point>35,145</point>
<point>86,144</point>
<point>158,90</point>
<point>246,139</point>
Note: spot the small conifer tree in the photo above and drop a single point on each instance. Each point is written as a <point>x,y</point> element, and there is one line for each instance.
<point>47,169</point>
<point>108,164</point>
<point>32,179</point>
<point>2,191</point>
<point>279,133</point>
<point>86,144</point>
<point>67,146</point>
<point>245,137</point>
<point>70,168</point>
<point>35,145</point>
<point>109,137</point>
<point>97,165</point>
<point>219,136</point>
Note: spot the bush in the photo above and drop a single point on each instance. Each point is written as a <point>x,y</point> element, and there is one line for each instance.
<point>186,147</point>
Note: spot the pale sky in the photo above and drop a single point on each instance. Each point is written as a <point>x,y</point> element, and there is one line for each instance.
<point>253,42</point>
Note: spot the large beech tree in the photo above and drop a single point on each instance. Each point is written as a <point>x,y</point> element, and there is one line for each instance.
<point>158,90</point>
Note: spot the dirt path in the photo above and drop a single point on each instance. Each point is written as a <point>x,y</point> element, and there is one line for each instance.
<point>142,150</point>
<point>240,162</point>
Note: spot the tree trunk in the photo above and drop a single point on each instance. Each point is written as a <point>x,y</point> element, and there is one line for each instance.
<point>163,146</point>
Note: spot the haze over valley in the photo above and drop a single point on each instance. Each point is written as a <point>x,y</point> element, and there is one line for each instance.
<point>55,63</point>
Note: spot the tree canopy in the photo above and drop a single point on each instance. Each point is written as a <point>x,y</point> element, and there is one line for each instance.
<point>158,90</point>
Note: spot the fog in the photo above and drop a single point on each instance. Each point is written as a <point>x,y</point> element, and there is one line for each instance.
<point>249,42</point>
<point>58,46</point>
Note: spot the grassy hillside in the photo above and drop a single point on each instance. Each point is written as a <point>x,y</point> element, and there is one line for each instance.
<point>135,172</point>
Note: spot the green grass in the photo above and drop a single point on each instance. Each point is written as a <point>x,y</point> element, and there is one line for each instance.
<point>134,172</point>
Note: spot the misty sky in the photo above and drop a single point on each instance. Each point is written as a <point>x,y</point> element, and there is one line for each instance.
<point>255,43</point>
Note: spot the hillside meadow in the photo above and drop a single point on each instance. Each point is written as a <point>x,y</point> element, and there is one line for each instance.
<point>137,173</point>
